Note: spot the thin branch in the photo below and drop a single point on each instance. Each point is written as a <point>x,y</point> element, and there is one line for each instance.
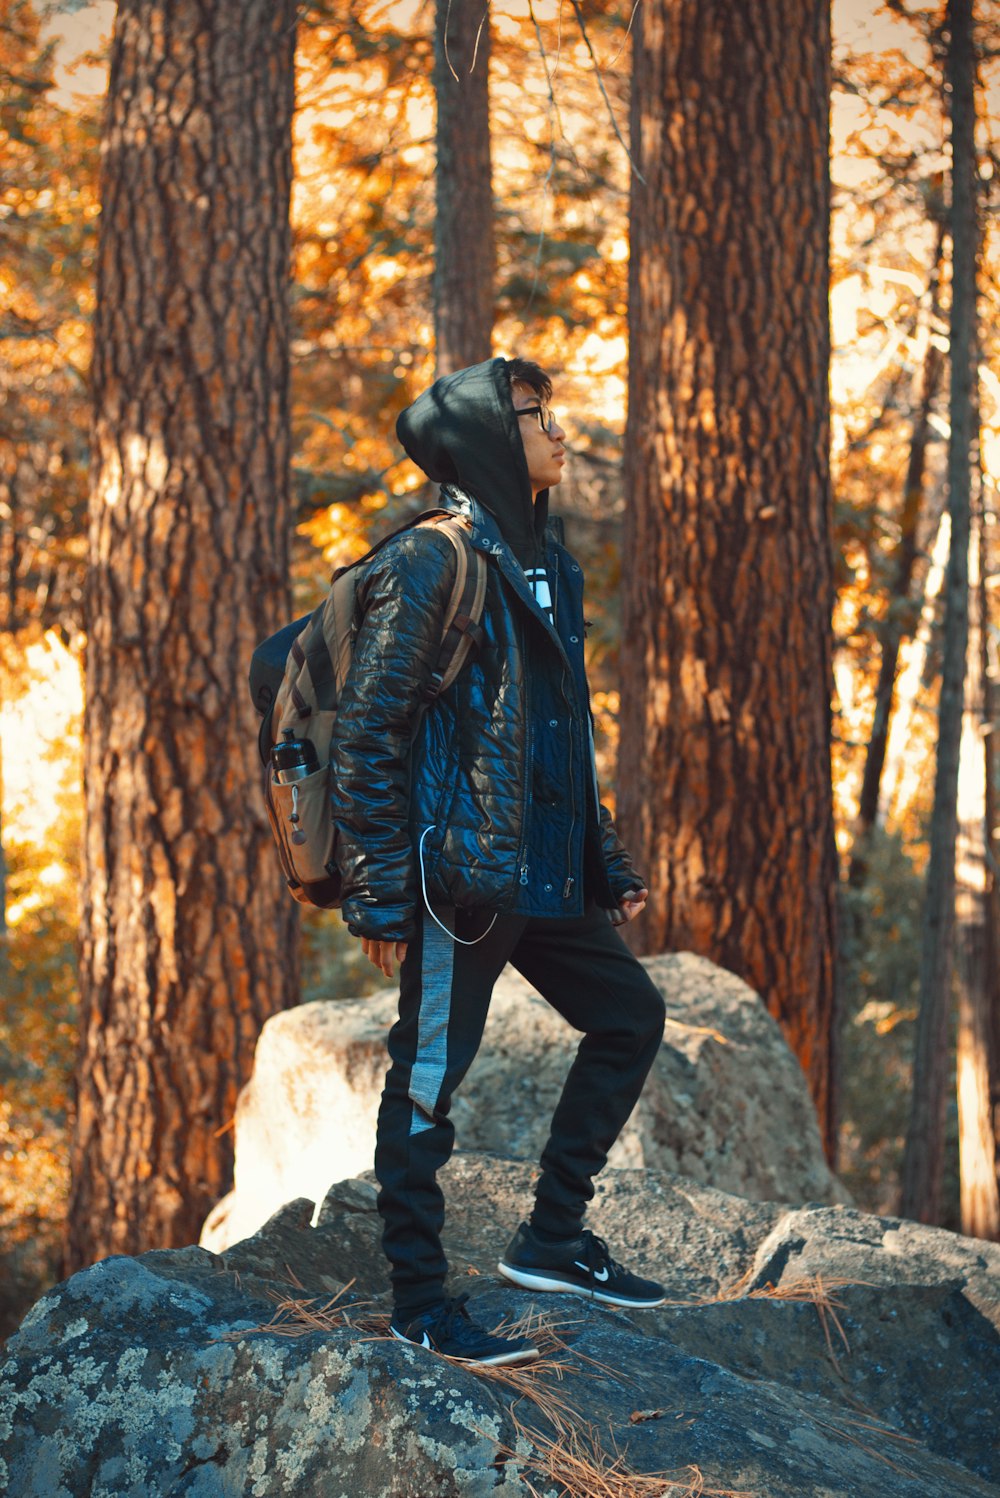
<point>628,33</point>
<point>600,83</point>
<point>447,54</point>
<point>479,33</point>
<point>555,120</point>
<point>553,117</point>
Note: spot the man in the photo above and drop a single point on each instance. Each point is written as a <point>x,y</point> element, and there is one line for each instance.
<point>471,835</point>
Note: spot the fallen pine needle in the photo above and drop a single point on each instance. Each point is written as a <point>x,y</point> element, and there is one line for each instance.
<point>847,1429</point>
<point>573,1455</point>
<point>679,1024</point>
<point>577,1460</point>
<point>297,1318</point>
<point>812,1289</point>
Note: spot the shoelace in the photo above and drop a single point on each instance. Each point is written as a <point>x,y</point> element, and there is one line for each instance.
<point>597,1254</point>
<point>452,1319</point>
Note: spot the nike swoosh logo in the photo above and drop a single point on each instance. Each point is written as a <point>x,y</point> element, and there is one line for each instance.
<point>599,1274</point>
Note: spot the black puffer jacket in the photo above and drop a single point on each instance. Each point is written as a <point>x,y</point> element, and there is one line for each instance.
<point>488,799</point>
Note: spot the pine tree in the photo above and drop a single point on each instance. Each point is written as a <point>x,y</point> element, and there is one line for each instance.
<point>464,241</point>
<point>923,1161</point>
<point>724,779</point>
<point>188,937</point>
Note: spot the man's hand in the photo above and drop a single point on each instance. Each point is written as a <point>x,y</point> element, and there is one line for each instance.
<point>631,905</point>
<point>381,954</point>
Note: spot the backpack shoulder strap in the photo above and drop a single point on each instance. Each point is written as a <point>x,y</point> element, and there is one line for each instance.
<point>426,517</point>
<point>339,621</point>
<point>462,628</point>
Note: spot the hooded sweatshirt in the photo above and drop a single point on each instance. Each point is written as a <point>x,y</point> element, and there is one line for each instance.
<point>464,431</point>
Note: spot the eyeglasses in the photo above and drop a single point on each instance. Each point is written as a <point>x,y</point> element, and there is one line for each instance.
<point>545,415</point>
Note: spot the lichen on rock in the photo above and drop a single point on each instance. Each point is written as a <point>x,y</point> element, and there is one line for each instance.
<point>803,1350</point>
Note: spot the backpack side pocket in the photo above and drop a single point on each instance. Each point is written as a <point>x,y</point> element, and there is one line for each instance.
<point>303,829</point>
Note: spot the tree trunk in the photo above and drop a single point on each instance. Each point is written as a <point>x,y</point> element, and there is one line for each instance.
<point>980,1207</point>
<point>464,244</point>
<point>188,936</point>
<point>900,614</point>
<point>4,929</point>
<point>990,665</point>
<point>725,780</point>
<point>8,486</point>
<point>903,768</point>
<point>923,1159</point>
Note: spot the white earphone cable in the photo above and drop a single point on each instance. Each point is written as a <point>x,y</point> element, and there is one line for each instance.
<point>423,886</point>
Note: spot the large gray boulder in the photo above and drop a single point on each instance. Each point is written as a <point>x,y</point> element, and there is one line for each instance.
<point>726,1102</point>
<point>806,1351</point>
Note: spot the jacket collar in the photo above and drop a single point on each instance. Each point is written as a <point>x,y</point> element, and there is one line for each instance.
<point>486,537</point>
<point>485,530</point>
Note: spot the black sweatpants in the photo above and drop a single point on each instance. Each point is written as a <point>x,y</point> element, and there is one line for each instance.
<point>585,971</point>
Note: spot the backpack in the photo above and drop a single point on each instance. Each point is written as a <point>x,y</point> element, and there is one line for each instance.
<point>296,677</point>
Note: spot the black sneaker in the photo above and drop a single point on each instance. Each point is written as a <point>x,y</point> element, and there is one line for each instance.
<point>451,1331</point>
<point>581,1266</point>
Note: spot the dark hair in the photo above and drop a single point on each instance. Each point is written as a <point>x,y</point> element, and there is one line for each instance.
<point>525,372</point>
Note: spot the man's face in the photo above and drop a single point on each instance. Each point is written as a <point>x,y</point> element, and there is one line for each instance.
<point>544,450</point>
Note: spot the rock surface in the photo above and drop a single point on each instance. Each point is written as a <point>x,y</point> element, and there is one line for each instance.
<point>766,1373</point>
<point>726,1102</point>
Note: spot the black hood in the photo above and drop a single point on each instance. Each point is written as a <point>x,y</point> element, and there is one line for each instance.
<point>464,431</point>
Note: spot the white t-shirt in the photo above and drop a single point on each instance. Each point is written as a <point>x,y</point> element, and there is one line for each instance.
<point>538,582</point>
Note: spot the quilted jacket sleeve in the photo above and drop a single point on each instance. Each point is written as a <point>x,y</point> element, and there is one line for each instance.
<point>621,874</point>
<point>403,598</point>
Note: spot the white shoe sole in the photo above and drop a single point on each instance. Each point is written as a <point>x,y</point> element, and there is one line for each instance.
<point>526,1355</point>
<point>538,1280</point>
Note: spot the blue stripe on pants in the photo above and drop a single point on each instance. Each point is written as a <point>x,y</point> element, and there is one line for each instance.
<point>429,1065</point>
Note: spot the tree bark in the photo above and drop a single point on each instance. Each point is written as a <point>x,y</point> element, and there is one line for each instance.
<point>903,769</point>
<point>980,1203</point>
<point>464,240</point>
<point>4,928</point>
<point>901,613</point>
<point>725,780</point>
<point>188,936</point>
<point>923,1159</point>
<point>989,1025</point>
<point>9,491</point>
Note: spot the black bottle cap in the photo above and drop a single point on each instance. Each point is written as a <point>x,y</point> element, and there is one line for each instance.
<point>294,753</point>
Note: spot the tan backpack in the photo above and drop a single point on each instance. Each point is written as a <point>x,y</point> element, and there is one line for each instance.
<point>300,701</point>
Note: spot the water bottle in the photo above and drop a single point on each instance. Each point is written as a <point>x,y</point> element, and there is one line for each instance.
<point>293,759</point>
<point>291,762</point>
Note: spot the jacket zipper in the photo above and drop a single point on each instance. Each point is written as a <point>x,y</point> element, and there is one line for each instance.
<point>568,886</point>
<point>522,867</point>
